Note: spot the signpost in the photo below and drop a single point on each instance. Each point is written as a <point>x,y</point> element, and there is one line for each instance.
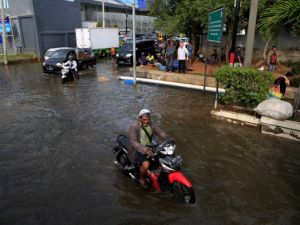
<point>215,35</point>
<point>215,25</point>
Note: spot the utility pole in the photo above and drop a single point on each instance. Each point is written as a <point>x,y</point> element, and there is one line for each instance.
<point>97,15</point>
<point>4,34</point>
<point>126,23</point>
<point>251,34</point>
<point>103,20</point>
<point>134,45</point>
<point>234,33</point>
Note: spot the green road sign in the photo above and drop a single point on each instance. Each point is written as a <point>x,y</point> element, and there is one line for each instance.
<point>215,25</point>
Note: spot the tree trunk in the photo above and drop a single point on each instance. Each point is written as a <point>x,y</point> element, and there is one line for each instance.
<point>266,47</point>
<point>228,42</point>
<point>194,40</point>
<point>262,61</point>
<point>297,102</point>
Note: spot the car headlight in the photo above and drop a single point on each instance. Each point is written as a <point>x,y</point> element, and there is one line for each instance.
<point>117,55</point>
<point>128,55</point>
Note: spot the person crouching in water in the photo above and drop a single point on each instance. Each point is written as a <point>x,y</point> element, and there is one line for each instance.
<point>73,68</point>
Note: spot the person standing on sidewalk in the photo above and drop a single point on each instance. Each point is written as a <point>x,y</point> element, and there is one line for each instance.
<point>182,53</point>
<point>272,59</point>
<point>190,49</point>
<point>170,55</point>
<point>237,56</point>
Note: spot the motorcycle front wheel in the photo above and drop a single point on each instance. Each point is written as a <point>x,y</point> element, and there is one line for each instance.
<point>183,192</point>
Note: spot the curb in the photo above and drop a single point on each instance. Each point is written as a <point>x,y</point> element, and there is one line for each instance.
<point>13,61</point>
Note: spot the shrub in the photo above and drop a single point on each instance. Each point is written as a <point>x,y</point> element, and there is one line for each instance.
<point>296,68</point>
<point>295,81</point>
<point>289,63</point>
<point>249,86</point>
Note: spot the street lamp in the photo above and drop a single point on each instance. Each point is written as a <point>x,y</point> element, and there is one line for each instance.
<point>4,34</point>
<point>133,39</point>
<point>133,43</point>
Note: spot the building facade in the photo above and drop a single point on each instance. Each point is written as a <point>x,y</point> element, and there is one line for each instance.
<point>38,25</point>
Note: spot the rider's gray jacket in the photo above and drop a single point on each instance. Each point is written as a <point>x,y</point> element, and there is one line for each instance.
<point>135,136</point>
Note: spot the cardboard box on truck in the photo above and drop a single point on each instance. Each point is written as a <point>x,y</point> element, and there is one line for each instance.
<point>97,38</point>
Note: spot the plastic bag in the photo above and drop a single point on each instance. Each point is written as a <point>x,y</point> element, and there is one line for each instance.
<point>275,108</point>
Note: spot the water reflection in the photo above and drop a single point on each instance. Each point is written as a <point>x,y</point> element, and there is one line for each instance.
<point>57,165</point>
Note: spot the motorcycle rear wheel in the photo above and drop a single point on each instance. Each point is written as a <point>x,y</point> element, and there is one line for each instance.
<point>183,192</point>
<point>122,158</point>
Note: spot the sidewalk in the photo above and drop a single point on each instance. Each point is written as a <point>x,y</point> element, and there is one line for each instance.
<point>13,61</point>
<point>199,68</point>
<point>196,77</point>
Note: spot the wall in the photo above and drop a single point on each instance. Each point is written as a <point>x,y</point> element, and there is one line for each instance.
<point>287,46</point>
<point>144,24</point>
<point>56,23</point>
<point>17,11</point>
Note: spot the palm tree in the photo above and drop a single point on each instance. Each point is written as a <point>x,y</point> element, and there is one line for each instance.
<point>283,13</point>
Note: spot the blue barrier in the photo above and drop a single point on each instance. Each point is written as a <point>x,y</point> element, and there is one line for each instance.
<point>128,81</point>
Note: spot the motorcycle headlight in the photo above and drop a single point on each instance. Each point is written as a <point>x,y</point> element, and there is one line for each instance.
<point>128,55</point>
<point>117,55</point>
<point>169,150</point>
<point>44,63</point>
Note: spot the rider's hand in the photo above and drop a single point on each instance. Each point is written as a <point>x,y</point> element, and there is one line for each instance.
<point>149,152</point>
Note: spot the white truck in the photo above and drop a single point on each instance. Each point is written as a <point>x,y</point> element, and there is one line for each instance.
<point>98,39</point>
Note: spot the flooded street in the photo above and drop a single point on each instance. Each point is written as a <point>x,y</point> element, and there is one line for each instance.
<point>57,165</point>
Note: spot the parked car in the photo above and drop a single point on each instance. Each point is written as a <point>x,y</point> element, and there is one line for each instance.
<point>184,40</point>
<point>124,56</point>
<point>51,50</point>
<point>146,36</point>
<point>84,57</point>
<point>140,36</point>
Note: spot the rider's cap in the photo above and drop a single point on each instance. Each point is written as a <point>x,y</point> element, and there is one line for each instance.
<point>144,112</point>
<point>240,46</point>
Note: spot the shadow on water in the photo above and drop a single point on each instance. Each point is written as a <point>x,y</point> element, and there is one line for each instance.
<point>57,165</point>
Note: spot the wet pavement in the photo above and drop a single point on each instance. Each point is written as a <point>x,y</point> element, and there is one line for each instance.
<point>57,165</point>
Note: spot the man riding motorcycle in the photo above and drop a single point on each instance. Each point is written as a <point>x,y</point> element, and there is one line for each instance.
<point>141,133</point>
<point>73,67</point>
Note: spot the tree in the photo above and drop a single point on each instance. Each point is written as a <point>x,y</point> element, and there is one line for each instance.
<point>173,17</point>
<point>284,14</point>
<point>191,17</point>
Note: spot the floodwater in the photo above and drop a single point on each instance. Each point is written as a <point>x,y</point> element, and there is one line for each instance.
<point>56,163</point>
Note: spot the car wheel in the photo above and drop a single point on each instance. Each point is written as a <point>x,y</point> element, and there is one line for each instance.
<point>103,53</point>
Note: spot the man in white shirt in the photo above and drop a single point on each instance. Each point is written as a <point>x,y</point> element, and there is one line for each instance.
<point>73,68</point>
<point>182,53</point>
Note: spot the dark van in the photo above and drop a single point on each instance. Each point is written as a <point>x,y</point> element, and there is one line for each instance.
<point>85,58</point>
<point>124,56</point>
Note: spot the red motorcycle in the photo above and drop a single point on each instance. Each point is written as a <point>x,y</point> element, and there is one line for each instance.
<point>164,170</point>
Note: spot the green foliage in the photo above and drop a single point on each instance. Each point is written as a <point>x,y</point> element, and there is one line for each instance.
<point>283,13</point>
<point>296,68</point>
<point>295,82</point>
<point>249,86</point>
<point>289,63</point>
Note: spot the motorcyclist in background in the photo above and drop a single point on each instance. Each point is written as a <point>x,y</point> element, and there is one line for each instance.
<point>73,67</point>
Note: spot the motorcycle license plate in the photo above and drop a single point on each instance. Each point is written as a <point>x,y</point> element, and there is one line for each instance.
<point>49,68</point>
<point>175,161</point>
